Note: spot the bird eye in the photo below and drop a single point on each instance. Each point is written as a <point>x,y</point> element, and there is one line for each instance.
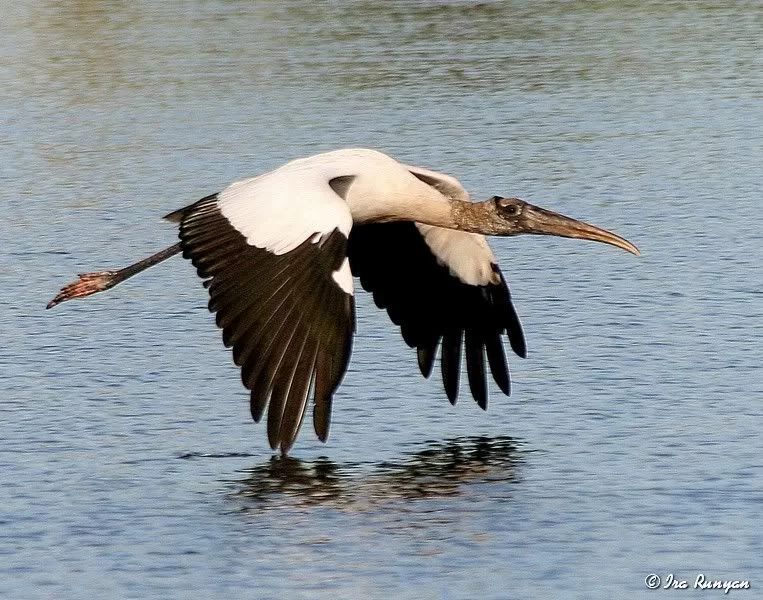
<point>509,207</point>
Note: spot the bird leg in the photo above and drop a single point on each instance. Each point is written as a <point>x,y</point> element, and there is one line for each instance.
<point>98,281</point>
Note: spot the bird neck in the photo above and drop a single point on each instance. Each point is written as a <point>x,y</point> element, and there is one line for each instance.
<point>428,206</point>
<point>471,217</point>
<point>474,217</point>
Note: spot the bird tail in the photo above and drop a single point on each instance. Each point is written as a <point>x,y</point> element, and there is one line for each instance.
<point>176,216</point>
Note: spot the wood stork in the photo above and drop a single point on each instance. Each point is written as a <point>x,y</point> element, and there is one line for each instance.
<point>278,253</point>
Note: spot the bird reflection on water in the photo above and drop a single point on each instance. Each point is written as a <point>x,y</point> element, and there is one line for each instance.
<point>440,470</point>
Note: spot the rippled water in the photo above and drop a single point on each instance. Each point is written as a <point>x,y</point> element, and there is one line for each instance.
<point>632,441</point>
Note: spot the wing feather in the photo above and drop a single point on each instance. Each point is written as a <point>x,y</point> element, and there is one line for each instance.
<point>287,319</point>
<point>475,366</point>
<point>294,408</point>
<point>283,377</point>
<point>454,297</point>
<point>451,361</point>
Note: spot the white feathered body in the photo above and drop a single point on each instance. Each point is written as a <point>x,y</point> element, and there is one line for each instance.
<point>280,209</point>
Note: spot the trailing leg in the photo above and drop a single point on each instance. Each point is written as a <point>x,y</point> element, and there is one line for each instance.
<point>98,281</point>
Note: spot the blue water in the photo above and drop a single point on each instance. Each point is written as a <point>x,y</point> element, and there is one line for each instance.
<point>631,444</point>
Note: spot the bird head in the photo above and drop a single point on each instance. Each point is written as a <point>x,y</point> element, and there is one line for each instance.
<point>512,216</point>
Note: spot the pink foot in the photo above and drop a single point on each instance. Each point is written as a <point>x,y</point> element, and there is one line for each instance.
<point>86,285</point>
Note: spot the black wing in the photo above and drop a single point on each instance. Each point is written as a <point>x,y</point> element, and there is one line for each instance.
<point>289,323</point>
<point>432,306</point>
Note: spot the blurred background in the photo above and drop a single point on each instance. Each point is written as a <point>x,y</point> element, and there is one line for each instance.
<point>631,443</point>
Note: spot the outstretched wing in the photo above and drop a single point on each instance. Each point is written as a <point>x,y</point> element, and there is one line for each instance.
<point>280,285</point>
<point>441,287</point>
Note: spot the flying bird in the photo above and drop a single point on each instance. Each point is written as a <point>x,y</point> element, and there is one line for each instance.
<point>278,254</point>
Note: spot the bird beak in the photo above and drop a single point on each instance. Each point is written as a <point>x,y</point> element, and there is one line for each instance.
<point>546,222</point>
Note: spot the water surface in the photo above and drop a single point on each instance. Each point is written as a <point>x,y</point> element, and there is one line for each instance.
<point>631,443</point>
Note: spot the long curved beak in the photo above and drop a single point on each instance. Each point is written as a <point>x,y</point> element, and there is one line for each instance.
<point>546,222</point>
